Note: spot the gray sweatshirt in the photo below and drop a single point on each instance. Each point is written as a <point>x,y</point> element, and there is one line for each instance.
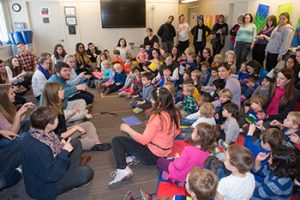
<point>147,92</point>
<point>231,129</point>
<point>280,40</point>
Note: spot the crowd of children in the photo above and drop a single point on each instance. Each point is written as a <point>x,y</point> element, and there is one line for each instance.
<point>217,102</point>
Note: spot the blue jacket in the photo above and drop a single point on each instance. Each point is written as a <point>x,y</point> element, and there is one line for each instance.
<point>120,78</point>
<point>41,171</point>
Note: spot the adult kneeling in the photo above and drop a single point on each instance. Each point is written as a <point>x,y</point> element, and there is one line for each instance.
<point>156,140</point>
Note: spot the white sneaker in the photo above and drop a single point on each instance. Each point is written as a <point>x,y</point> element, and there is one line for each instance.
<point>88,116</point>
<point>120,175</point>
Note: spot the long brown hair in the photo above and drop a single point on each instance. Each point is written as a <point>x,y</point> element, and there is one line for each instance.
<point>50,96</point>
<point>7,108</point>
<point>15,70</point>
<point>81,58</point>
<point>290,90</point>
<point>164,102</point>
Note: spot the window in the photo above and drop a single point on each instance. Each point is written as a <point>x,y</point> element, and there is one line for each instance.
<point>3,27</point>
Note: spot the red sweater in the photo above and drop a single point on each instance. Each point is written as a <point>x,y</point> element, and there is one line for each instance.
<point>158,136</point>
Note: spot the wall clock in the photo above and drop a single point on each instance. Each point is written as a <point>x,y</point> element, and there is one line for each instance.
<point>16,7</point>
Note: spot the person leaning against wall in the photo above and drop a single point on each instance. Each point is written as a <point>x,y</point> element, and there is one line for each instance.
<point>279,41</point>
<point>183,34</point>
<point>167,33</point>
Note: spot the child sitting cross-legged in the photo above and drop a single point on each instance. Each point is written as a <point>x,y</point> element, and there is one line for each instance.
<point>240,184</point>
<point>203,137</point>
<point>142,102</point>
<point>118,80</point>
<point>205,74</point>
<point>51,166</point>
<point>135,87</point>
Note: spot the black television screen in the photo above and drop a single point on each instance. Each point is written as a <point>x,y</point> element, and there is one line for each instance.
<point>123,13</point>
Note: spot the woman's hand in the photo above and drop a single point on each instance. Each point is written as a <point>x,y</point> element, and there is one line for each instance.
<point>25,108</point>
<point>125,127</point>
<point>9,135</point>
<point>67,145</point>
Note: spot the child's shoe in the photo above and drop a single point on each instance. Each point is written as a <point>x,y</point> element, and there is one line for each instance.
<point>223,144</point>
<point>145,195</point>
<point>137,110</point>
<point>120,175</point>
<point>88,116</point>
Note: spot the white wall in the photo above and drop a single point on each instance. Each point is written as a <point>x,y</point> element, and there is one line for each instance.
<point>252,7</point>
<point>89,26</point>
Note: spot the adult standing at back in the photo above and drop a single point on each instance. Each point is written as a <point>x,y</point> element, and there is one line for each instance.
<point>279,42</point>
<point>219,31</point>
<point>151,38</point>
<point>167,33</point>
<point>245,39</point>
<point>200,32</point>
<point>183,34</point>
<point>262,39</point>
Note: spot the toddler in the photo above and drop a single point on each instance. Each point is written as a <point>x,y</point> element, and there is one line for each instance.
<point>231,127</point>
<point>225,96</point>
<point>255,112</point>
<point>189,104</point>
<point>205,73</point>
<point>203,137</point>
<point>230,58</point>
<point>118,80</point>
<point>196,77</point>
<point>264,88</point>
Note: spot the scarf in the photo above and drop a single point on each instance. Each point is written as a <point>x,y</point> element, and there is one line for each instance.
<point>273,107</point>
<point>50,139</point>
<point>46,72</point>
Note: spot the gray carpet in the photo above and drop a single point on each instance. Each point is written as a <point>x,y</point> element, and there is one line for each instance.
<point>145,177</point>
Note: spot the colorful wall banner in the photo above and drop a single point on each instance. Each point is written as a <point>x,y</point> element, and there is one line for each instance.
<point>261,16</point>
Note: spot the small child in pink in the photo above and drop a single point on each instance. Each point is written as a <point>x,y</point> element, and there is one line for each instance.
<point>203,137</point>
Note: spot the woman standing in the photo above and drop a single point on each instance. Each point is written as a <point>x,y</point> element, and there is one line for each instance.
<point>245,39</point>
<point>150,38</point>
<point>183,32</point>
<point>124,50</point>
<point>200,33</point>
<point>283,96</point>
<point>279,42</point>
<point>262,39</point>
<point>219,31</point>
<point>156,140</point>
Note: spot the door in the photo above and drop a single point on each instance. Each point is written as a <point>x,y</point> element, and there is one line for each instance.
<point>46,32</point>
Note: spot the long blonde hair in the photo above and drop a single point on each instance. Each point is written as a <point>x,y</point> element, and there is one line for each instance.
<point>7,108</point>
<point>50,96</point>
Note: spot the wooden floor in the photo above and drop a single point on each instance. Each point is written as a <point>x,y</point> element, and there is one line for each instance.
<point>145,177</point>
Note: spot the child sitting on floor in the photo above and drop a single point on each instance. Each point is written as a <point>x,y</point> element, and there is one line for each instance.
<point>117,58</point>
<point>230,58</point>
<point>231,127</point>
<point>214,76</point>
<point>142,102</point>
<point>240,184</point>
<point>107,72</point>
<point>118,81</point>
<point>278,182</point>
<point>203,137</point>
<point>189,104</point>
<point>225,96</point>
<point>255,113</point>
<point>136,84</point>
<point>268,139</point>
<point>264,88</point>
<point>205,74</point>
<point>217,61</point>
<point>289,127</point>
<point>196,77</point>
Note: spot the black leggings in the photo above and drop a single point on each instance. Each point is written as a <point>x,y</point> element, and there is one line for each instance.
<point>123,146</point>
<point>183,45</point>
<point>85,95</point>
<point>271,61</point>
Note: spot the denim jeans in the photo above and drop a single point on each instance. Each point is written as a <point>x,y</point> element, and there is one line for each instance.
<point>10,159</point>
<point>123,146</point>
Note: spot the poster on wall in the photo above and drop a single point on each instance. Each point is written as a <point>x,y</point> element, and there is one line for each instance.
<point>296,39</point>
<point>284,8</point>
<point>45,12</point>
<point>208,21</point>
<point>261,16</point>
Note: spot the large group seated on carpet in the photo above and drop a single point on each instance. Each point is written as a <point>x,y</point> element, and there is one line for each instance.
<point>237,117</point>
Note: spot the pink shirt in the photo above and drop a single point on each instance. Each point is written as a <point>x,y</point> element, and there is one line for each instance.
<point>190,157</point>
<point>4,124</point>
<point>158,135</point>
<point>273,107</point>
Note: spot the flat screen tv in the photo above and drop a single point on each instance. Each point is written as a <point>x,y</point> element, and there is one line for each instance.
<point>123,13</point>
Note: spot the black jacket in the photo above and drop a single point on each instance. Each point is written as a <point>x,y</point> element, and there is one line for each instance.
<point>166,32</point>
<point>205,32</point>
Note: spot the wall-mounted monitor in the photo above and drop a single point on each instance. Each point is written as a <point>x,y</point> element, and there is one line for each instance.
<point>123,13</point>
